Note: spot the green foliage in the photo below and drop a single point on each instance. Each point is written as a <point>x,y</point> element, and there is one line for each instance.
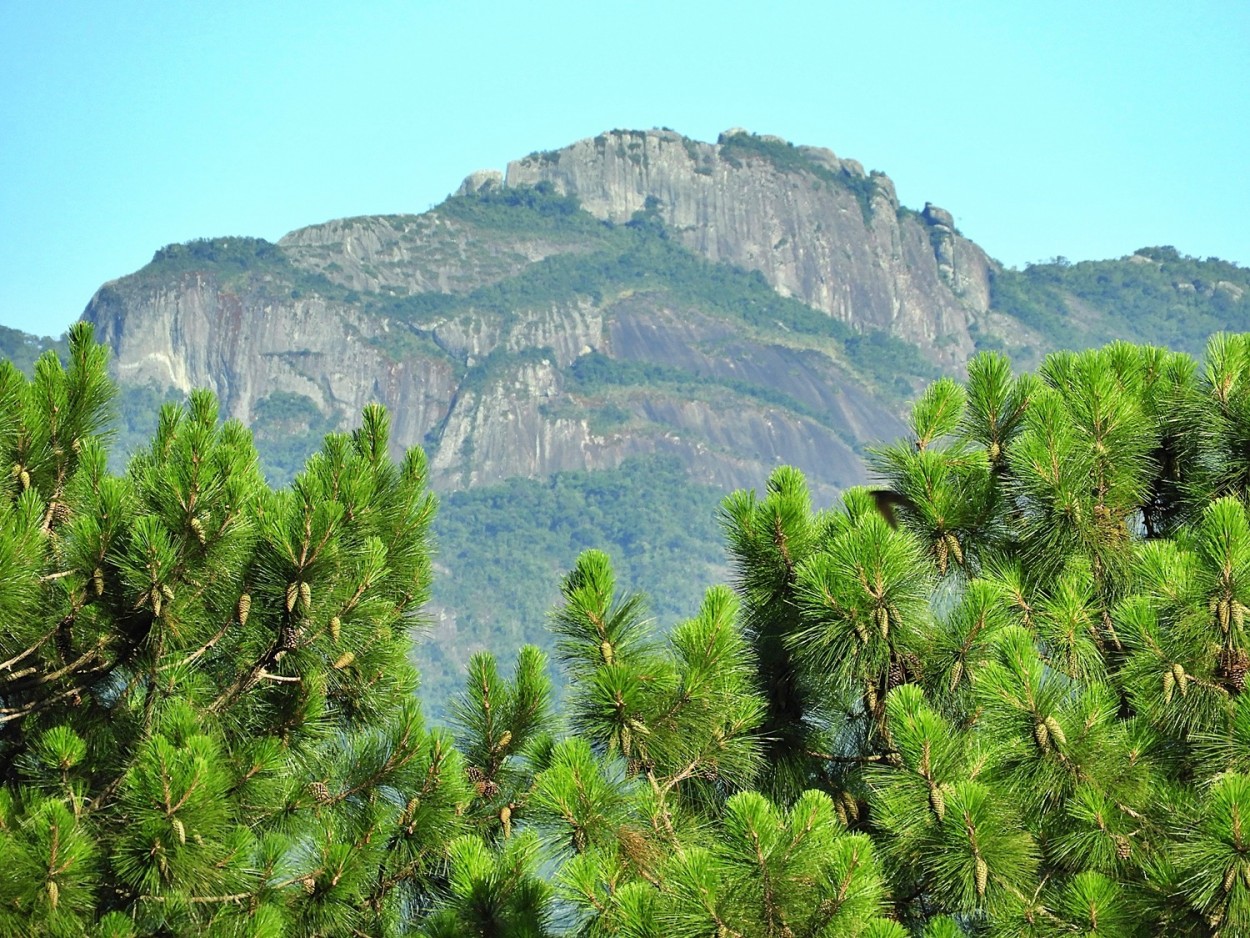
<point>239,263</point>
<point>1005,696</point>
<point>288,428</point>
<point>215,732</point>
<point>523,208</point>
<point>501,550</point>
<point>1157,295</point>
<point>23,350</point>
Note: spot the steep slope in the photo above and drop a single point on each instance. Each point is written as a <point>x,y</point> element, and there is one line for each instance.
<point>817,227</point>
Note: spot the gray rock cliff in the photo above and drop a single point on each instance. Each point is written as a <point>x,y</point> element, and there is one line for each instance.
<point>815,226</point>
<point>392,309</point>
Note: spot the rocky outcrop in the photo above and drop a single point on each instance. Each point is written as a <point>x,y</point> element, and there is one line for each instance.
<point>402,255</point>
<point>387,309</point>
<point>244,346</point>
<point>817,227</point>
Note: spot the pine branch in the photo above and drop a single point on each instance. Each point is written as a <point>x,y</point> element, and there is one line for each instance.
<point>5,666</point>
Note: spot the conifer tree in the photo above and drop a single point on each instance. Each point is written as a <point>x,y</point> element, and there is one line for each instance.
<point>1001,697</point>
<point>207,719</point>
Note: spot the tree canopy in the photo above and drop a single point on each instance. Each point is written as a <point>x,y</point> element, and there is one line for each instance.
<point>1000,695</point>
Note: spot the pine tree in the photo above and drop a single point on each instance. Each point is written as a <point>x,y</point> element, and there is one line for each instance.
<point>1002,696</point>
<point>207,719</point>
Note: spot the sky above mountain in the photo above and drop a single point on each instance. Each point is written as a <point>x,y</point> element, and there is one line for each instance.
<point>1074,129</point>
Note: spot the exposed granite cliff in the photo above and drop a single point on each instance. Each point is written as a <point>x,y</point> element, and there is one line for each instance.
<point>393,309</point>
<point>817,227</point>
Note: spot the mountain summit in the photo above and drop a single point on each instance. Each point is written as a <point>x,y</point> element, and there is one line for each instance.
<point>737,304</point>
<point>637,323</point>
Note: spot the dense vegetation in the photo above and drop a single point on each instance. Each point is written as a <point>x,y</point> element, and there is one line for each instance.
<point>23,349</point>
<point>788,158</point>
<point>1157,295</point>
<point>500,551</point>
<point>1004,696</point>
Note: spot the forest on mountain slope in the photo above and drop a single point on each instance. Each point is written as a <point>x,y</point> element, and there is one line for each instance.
<point>1004,695</point>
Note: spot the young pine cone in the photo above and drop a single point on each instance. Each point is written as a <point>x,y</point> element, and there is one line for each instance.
<point>1041,733</point>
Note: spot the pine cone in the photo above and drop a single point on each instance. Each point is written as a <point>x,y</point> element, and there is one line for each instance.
<point>475,775</point>
<point>898,675</point>
<point>1041,733</point>
<point>336,629</point>
<point>1123,849</point>
<point>1233,665</point>
<point>983,876</point>
<point>1056,731</point>
<point>320,792</point>
<point>1182,679</point>
<point>937,801</point>
<point>957,673</point>
<point>955,548</point>
<point>244,608</point>
<point>911,662</point>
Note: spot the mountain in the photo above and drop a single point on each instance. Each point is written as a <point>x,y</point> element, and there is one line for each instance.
<point>596,343</point>
<point>510,328</point>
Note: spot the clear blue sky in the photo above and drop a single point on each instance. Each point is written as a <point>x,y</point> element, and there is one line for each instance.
<point>1082,129</point>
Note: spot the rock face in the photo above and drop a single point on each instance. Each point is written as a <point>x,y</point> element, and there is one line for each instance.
<point>512,334</point>
<point>816,227</point>
<point>246,346</point>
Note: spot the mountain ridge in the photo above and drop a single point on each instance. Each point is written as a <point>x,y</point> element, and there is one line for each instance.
<point>634,308</point>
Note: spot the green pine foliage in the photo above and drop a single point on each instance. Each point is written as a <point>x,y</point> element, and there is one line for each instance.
<point>1003,696</point>
<point>207,720</point>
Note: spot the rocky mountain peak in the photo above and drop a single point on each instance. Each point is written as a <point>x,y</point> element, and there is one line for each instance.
<point>816,226</point>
